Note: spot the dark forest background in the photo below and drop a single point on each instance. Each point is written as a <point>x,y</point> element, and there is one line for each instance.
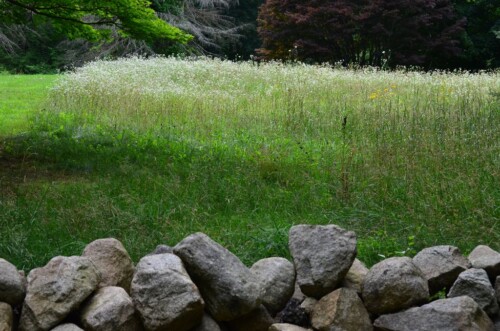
<point>430,34</point>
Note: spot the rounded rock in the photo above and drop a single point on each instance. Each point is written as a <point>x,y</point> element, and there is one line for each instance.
<point>394,284</point>
<point>277,277</point>
<point>12,284</point>
<point>112,261</point>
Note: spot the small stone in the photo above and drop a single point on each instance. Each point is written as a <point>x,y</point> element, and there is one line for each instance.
<point>286,327</point>
<point>6,317</point>
<point>297,293</point>
<point>308,305</point>
<point>110,309</point>
<point>355,276</point>
<point>67,327</point>
<point>460,313</point>
<point>257,320</point>
<point>165,295</point>
<point>322,255</point>
<point>441,266</point>
<point>277,277</point>
<point>294,314</point>
<point>162,249</point>
<point>228,287</point>
<point>113,262</point>
<point>12,284</point>
<point>56,290</point>
<point>341,310</point>
<point>483,257</point>
<point>394,284</point>
<point>475,284</point>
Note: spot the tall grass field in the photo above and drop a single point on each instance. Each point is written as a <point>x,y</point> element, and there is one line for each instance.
<point>151,150</point>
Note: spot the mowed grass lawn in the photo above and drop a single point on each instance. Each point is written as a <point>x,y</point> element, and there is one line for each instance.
<point>20,95</point>
<point>150,151</point>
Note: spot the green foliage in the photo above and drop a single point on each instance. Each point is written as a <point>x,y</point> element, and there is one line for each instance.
<point>81,19</point>
<point>481,40</point>
<point>37,52</point>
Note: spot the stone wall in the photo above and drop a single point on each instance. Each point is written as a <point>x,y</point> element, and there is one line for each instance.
<point>199,285</point>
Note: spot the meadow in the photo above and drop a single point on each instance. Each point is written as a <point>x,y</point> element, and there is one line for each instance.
<point>151,150</point>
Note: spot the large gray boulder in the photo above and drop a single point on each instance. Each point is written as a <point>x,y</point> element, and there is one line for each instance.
<point>110,309</point>
<point>394,284</point>
<point>441,266</point>
<point>322,255</point>
<point>341,310</point>
<point>12,284</point>
<point>456,314</point>
<point>55,290</point>
<point>277,278</point>
<point>67,327</point>
<point>6,317</point>
<point>483,257</point>
<point>475,284</point>
<point>228,287</point>
<point>113,262</point>
<point>164,294</point>
<point>355,276</point>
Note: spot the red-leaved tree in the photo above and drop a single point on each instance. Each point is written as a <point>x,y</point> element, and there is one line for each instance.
<point>406,32</point>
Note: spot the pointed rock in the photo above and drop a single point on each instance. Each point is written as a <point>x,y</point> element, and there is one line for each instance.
<point>394,284</point>
<point>110,309</point>
<point>483,257</point>
<point>228,287</point>
<point>475,284</point>
<point>322,255</point>
<point>55,290</point>
<point>355,276</point>
<point>341,310</point>
<point>460,313</point>
<point>165,295</point>
<point>113,262</point>
<point>441,266</point>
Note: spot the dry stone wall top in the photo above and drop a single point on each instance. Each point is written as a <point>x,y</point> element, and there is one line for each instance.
<point>200,286</point>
